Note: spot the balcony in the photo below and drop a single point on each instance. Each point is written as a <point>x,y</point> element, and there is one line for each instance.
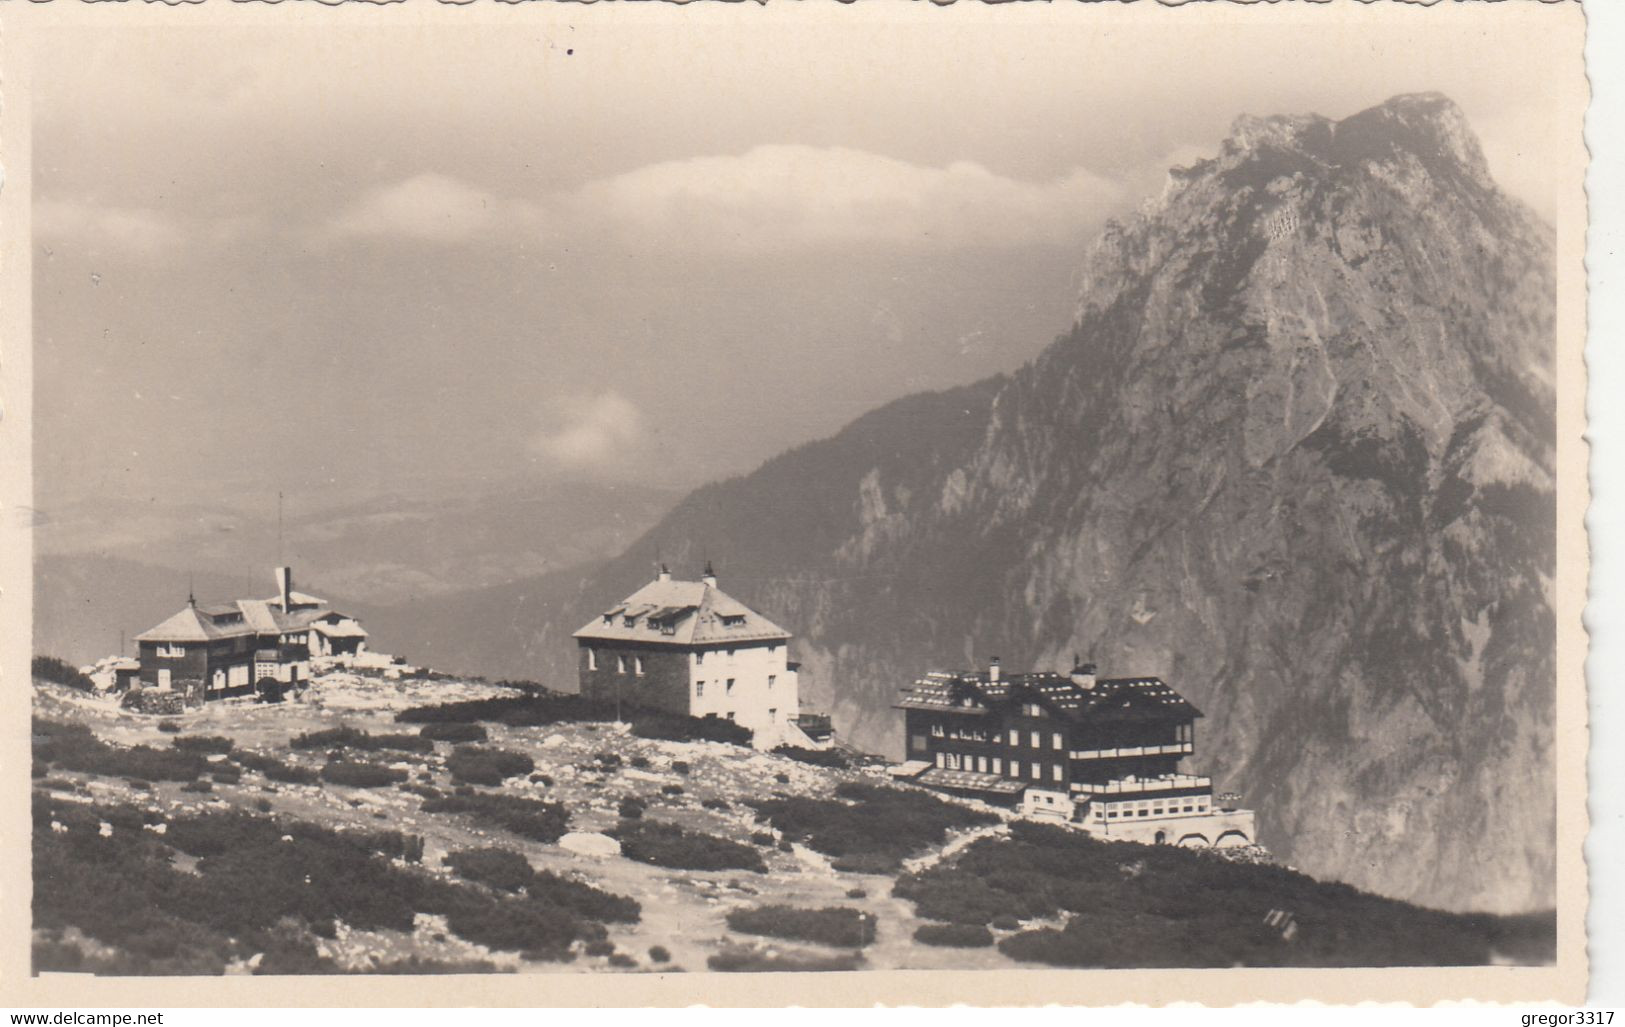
<point>1170,783</point>
<point>1176,749</point>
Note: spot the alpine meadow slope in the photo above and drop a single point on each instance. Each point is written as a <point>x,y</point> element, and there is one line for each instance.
<point>1296,456</point>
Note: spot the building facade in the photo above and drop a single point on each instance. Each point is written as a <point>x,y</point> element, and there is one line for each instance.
<point>1102,754</point>
<point>224,650</point>
<point>688,647</point>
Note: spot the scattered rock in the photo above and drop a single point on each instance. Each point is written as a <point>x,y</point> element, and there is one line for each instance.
<point>585,843</point>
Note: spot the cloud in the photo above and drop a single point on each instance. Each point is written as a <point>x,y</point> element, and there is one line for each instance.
<point>590,431</point>
<point>769,199</point>
<point>94,226</point>
<point>788,197</point>
<point>429,207</point>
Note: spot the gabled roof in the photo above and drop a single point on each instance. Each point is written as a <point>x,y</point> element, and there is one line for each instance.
<point>187,626</point>
<point>1110,697</point>
<point>684,613</point>
<point>242,617</point>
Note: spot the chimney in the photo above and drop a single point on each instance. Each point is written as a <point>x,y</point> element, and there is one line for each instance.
<point>1083,674</point>
<point>284,586</point>
<point>993,671</point>
<point>710,576</point>
<point>665,573</point>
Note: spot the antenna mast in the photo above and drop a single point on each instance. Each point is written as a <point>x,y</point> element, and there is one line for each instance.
<point>279,527</point>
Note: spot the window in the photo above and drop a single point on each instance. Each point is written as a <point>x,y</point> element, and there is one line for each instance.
<point>699,659</point>
<point>998,765</point>
<point>733,620</point>
<point>609,618</point>
<point>729,714</point>
<point>981,764</point>
<point>1015,768</point>
<point>172,649</point>
<point>628,621</point>
<point>1038,771</point>
<point>163,679</point>
<point>772,679</point>
<point>731,654</point>
<point>1056,772</point>
<point>1036,743</point>
<point>637,665</point>
<point>592,659</point>
<point>917,742</point>
<point>937,731</point>
<point>620,664</point>
<point>1056,742</point>
<point>699,689</point>
<point>264,670</point>
<point>1015,737</point>
<point>942,761</point>
<point>772,713</point>
<point>728,689</point>
<point>237,676</point>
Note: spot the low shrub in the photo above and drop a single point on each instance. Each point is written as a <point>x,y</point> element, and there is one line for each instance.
<point>641,762</point>
<point>75,747</point>
<point>197,786</point>
<point>667,845</point>
<point>671,789</point>
<point>720,805</point>
<point>957,936</point>
<point>225,774</point>
<point>659,954</point>
<point>346,737</point>
<point>169,726</point>
<point>453,732</point>
<point>857,893</point>
<point>872,828</point>
<point>203,744</point>
<point>538,930</point>
<point>61,672</point>
<point>782,778</point>
<point>528,818</point>
<point>583,899</point>
<point>631,809</point>
<point>607,759</point>
<point>600,948</point>
<point>1006,922</point>
<point>274,769</point>
<point>538,707</point>
<point>837,926</point>
<point>834,759</point>
<point>622,961</point>
<point>474,765</point>
<point>679,767</point>
<point>762,838</point>
<point>503,869</point>
<point>361,775</point>
<point>153,701</point>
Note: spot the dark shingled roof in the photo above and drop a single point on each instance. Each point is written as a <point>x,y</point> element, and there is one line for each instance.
<point>975,692</point>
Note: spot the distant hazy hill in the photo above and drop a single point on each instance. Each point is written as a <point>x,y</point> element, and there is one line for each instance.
<point>113,565</point>
<point>1295,456</point>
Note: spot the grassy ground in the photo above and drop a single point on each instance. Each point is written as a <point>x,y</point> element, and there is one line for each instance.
<point>498,884</point>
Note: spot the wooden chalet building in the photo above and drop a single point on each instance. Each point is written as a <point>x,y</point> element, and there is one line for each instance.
<point>222,650</point>
<point>1100,753</point>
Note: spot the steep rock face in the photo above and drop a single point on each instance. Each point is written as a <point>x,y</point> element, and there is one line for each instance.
<point>1295,456</point>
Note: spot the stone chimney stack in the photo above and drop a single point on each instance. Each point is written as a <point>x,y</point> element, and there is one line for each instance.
<point>665,573</point>
<point>993,671</point>
<point>1083,674</point>
<point>284,586</point>
<point>710,576</point>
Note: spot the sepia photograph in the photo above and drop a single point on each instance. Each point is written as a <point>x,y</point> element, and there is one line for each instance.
<point>589,489</point>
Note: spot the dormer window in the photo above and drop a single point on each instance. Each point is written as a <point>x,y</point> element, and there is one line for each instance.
<point>628,621</point>
<point>733,620</point>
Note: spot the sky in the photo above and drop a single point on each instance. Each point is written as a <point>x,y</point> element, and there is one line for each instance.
<point>515,250</point>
